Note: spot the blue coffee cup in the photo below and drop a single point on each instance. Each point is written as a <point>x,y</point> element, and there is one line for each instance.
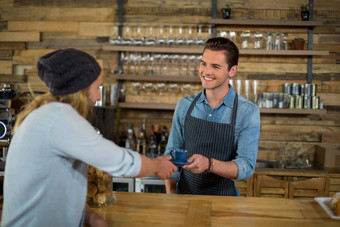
<point>179,155</point>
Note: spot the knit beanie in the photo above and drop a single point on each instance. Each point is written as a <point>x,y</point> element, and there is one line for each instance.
<point>67,71</point>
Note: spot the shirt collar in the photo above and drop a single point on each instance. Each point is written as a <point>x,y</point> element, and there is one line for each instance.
<point>227,101</point>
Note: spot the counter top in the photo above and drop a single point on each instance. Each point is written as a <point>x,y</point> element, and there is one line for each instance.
<point>155,209</point>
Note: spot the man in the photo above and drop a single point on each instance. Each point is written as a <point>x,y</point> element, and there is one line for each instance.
<point>219,129</point>
<point>45,180</point>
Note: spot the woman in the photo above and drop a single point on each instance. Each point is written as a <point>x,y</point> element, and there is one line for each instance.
<point>45,180</point>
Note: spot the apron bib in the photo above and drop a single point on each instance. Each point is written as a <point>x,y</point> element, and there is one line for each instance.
<point>213,140</point>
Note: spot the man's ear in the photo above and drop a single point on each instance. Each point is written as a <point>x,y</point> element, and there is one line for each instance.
<point>232,71</point>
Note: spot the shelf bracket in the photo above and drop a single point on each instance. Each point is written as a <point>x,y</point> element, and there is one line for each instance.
<point>214,16</point>
<point>310,44</point>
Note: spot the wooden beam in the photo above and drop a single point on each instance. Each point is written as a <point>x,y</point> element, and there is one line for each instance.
<point>19,36</point>
<point>58,14</point>
<point>6,67</point>
<point>39,26</point>
<point>95,29</point>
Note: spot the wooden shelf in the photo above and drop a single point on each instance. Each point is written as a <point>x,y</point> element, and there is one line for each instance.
<point>149,106</point>
<point>292,111</point>
<point>285,52</point>
<point>159,106</point>
<point>199,50</point>
<point>282,23</point>
<point>153,49</point>
<point>189,79</point>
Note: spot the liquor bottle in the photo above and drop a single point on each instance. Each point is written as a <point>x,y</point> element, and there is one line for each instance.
<point>141,142</point>
<point>123,135</point>
<point>164,140</point>
<point>152,148</point>
<point>130,140</point>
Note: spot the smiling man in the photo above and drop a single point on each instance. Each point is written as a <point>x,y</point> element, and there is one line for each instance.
<point>219,129</point>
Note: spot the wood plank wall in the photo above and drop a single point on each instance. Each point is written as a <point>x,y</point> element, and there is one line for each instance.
<point>31,28</point>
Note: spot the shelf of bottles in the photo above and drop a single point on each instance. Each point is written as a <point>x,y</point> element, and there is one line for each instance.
<point>151,145</point>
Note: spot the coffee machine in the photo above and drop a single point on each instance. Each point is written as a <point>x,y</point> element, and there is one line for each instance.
<point>7,120</point>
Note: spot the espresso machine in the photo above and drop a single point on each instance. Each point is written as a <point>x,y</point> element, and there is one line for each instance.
<point>7,120</point>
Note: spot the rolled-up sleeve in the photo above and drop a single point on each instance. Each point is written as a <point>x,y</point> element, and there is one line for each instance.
<point>247,144</point>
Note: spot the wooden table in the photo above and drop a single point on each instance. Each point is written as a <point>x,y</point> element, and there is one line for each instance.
<point>154,209</point>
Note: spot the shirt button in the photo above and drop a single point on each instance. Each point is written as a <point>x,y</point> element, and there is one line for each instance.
<point>209,115</point>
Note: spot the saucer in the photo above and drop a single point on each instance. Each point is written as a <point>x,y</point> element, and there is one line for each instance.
<point>180,163</point>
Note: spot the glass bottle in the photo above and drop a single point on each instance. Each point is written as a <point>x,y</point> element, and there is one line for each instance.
<point>141,141</point>
<point>130,140</point>
<point>164,140</point>
<point>152,148</point>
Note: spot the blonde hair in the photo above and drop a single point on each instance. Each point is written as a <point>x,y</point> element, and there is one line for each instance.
<point>78,100</point>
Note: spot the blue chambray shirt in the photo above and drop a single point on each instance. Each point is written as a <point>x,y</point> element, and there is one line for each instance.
<point>247,130</point>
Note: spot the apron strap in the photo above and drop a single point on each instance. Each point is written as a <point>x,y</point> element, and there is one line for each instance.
<point>233,116</point>
<point>193,103</point>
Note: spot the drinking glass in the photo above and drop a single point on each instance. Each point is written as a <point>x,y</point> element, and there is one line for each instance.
<point>115,38</point>
<point>257,40</point>
<point>127,40</point>
<point>277,43</point>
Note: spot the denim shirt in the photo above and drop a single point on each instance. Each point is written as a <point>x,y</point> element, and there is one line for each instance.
<point>247,128</point>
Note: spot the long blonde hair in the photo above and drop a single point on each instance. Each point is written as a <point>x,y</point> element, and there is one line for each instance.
<point>78,100</point>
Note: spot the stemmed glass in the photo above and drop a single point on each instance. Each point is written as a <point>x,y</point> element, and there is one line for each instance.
<point>150,40</point>
<point>138,39</point>
<point>171,38</point>
<point>161,39</point>
<point>189,39</point>
<point>199,38</point>
<point>180,39</point>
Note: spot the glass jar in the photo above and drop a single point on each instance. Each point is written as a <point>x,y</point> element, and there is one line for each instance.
<point>99,187</point>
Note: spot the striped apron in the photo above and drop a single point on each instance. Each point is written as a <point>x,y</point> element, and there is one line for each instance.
<point>213,140</point>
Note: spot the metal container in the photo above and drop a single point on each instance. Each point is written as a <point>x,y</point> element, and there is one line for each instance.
<point>313,89</point>
<point>307,101</point>
<point>291,102</point>
<point>308,90</point>
<point>302,90</point>
<point>288,88</point>
<point>298,102</point>
<point>315,102</point>
<point>296,89</point>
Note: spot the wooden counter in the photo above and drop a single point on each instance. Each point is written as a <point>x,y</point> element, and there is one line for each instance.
<point>153,209</point>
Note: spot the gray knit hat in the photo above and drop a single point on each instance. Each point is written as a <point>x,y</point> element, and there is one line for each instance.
<point>67,71</point>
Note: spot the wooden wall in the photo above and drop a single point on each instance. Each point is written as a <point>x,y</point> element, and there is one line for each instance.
<point>31,28</point>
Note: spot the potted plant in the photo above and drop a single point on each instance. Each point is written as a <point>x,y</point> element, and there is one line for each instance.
<point>304,12</point>
<point>226,12</point>
<point>299,43</point>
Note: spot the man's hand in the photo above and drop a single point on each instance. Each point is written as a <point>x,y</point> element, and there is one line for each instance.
<point>199,163</point>
<point>165,167</point>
